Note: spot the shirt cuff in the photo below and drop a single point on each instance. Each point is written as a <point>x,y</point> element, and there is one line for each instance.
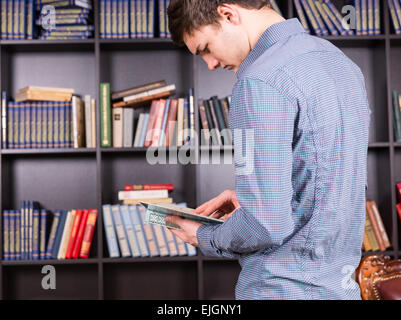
<point>205,236</point>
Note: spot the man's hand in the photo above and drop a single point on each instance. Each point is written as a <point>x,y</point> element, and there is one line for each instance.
<point>223,205</point>
<point>189,229</point>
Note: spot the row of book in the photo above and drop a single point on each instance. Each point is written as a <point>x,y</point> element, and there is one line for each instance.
<point>48,124</point>
<point>33,233</point>
<point>170,121</point>
<point>151,193</point>
<point>213,114</point>
<point>375,236</point>
<point>397,116</point>
<point>17,19</point>
<point>64,19</point>
<point>395,14</point>
<point>140,19</point>
<point>128,235</point>
<point>321,17</point>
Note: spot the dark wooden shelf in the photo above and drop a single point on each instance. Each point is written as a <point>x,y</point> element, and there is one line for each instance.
<point>48,261</point>
<point>151,259</point>
<point>48,151</point>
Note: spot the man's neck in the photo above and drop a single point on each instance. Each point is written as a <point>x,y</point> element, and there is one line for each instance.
<point>259,23</point>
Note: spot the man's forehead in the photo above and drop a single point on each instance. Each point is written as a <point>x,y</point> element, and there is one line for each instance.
<point>194,40</point>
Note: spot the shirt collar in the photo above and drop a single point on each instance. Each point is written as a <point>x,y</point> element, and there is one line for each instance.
<point>273,34</point>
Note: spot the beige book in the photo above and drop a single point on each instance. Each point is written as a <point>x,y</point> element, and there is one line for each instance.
<point>42,96</point>
<point>78,122</point>
<point>117,116</point>
<point>158,200</point>
<point>49,89</point>
<point>66,234</point>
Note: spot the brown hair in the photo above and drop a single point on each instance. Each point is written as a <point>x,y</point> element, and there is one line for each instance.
<point>185,16</point>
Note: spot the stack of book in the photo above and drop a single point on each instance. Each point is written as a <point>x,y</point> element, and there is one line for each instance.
<point>140,19</point>
<point>375,237</point>
<point>29,124</point>
<point>395,13</point>
<point>34,93</point>
<point>129,236</point>
<point>32,233</point>
<point>17,19</point>
<point>213,115</point>
<point>321,17</point>
<point>397,116</point>
<point>169,122</point>
<point>64,19</point>
<point>152,193</point>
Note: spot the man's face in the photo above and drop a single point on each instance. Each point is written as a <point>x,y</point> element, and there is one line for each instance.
<point>223,46</point>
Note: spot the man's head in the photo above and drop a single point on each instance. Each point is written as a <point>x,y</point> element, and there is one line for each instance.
<point>222,32</point>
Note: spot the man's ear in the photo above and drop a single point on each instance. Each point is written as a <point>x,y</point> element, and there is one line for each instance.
<point>229,13</point>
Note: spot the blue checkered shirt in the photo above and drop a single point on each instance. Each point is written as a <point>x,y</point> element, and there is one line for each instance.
<point>300,177</point>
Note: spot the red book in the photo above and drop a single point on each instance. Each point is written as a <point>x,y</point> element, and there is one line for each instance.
<point>399,210</point>
<point>399,191</point>
<point>149,129</point>
<point>157,128</point>
<point>80,235</point>
<point>74,233</point>
<point>135,187</point>
<point>88,234</point>
<point>171,119</point>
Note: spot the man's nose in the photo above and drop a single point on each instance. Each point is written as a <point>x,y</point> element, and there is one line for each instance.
<point>212,63</point>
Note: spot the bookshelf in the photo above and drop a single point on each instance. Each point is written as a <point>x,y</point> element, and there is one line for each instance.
<point>85,178</point>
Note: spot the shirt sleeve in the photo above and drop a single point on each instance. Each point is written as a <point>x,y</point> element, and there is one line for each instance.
<point>262,122</point>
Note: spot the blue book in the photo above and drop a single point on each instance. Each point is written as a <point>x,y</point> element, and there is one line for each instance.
<point>15,17</point>
<point>364,17</point>
<point>21,124</point>
<point>326,19</point>
<point>6,235</point>
<point>114,19</point>
<point>10,20</point>
<point>110,232</point>
<point>10,123</point>
<point>17,235</point>
<point>190,249</point>
<point>30,17</point>
<point>33,205</point>
<point>22,230</point>
<point>168,34</point>
<point>43,234</point>
<point>371,30</point>
<point>11,231</point>
<point>34,141</point>
<point>311,17</point>
<point>35,234</point>
<point>143,130</point>
<point>62,109</point>
<point>132,18</point>
<point>358,18</point>
<point>397,8</point>
<point>129,229</point>
<point>151,18</point>
<point>28,139</point>
<point>3,8</point>
<point>126,22</point>
<point>138,8</point>
<point>332,12</point>
<point>22,22</point>
<point>162,19</point>
<point>164,122</point>
<point>377,23</point>
<point>318,18</point>
<point>137,226</point>
<point>108,34</point>
<point>102,31</point>
<point>144,19</point>
<point>148,232</point>
<point>301,15</point>
<point>120,231</point>
<point>52,235</point>
<point>59,233</point>
<point>171,242</point>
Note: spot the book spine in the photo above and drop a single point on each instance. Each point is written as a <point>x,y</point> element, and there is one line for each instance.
<point>74,232</point>
<point>374,223</point>
<point>110,232</point>
<point>4,120</point>
<point>88,234</point>
<point>397,8</point>
<point>149,234</point>
<point>164,122</point>
<point>108,34</point>
<point>138,187</point>
<point>120,19</point>
<point>102,30</point>
<point>105,111</point>
<point>17,235</point>
<point>53,230</point>
<point>17,117</point>
<point>132,18</point>
<point>114,19</point>
<point>377,27</point>
<point>118,224</point>
<point>172,116</point>
<point>88,120</point>
<point>22,23</point>
<point>21,125</point>
<point>319,21</point>
<point>59,233</point>
<point>380,226</point>
<point>357,5</point>
<point>10,125</point>
<point>136,222</point>
<point>15,16</point>
<point>311,17</point>
<point>138,19</point>
<point>11,231</point>
<point>144,19</point>
<point>10,35</point>
<point>301,15</point>
<point>334,19</point>
<point>167,3</point>
<point>117,116</point>
<point>370,234</point>
<point>80,234</point>
<point>158,123</point>
<point>66,235</point>
<point>126,22</point>
<point>148,194</point>
<point>161,240</point>
<point>6,236</point>
<point>397,117</point>
<point>371,30</point>
<point>151,18</point>
<point>139,129</point>
<point>3,19</point>
<point>129,229</point>
<point>162,20</point>
<point>128,127</point>
<point>141,142</point>
<point>35,247</point>
<point>326,18</point>
<point>171,243</point>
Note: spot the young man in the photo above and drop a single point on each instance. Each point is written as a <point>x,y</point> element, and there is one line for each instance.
<point>296,221</point>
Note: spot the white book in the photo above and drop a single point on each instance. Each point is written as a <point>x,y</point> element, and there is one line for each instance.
<point>149,93</point>
<point>66,234</point>
<point>118,123</point>
<point>142,194</point>
<point>139,129</point>
<point>88,120</point>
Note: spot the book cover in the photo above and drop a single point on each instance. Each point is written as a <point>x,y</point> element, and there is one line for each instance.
<point>138,132</point>
<point>118,126</point>
<point>311,17</point>
<point>148,232</point>
<point>137,226</point>
<point>120,231</point>
<point>140,194</point>
<point>128,124</point>
<point>138,187</point>
<point>301,15</point>
<point>88,234</point>
<point>129,229</point>
<point>60,229</point>
<point>110,232</point>
<point>74,233</point>
<point>66,234</point>
<point>144,126</point>
<point>80,234</point>
<point>6,236</point>
<point>149,129</point>
<point>105,112</point>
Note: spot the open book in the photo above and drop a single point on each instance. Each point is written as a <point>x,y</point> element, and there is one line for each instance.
<point>155,213</point>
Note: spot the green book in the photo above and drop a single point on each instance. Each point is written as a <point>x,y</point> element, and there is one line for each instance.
<point>105,112</point>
